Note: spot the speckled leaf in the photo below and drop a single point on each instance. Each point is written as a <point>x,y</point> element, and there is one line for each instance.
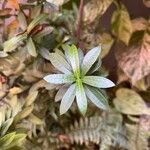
<point>135,60</point>
<point>68,99</point>
<point>90,59</point>
<point>60,63</point>
<point>98,81</point>
<point>81,97</point>
<point>94,9</point>
<point>59,78</point>
<point>96,97</point>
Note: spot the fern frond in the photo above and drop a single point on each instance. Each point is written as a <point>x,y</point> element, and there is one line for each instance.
<point>106,131</point>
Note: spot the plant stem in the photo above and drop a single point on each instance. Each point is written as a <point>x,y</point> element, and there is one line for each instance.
<point>79,22</point>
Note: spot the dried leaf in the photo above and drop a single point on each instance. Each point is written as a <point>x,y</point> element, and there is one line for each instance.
<point>57,2</point>
<point>129,102</point>
<point>22,20</point>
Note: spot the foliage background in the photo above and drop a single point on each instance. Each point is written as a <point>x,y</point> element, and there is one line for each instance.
<point>29,117</point>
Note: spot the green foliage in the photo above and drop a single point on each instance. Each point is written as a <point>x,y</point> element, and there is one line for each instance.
<point>75,68</point>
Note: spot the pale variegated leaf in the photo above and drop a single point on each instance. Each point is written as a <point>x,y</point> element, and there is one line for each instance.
<point>90,59</point>
<point>36,21</point>
<point>96,97</point>
<point>81,55</point>
<point>62,90</point>
<point>98,81</point>
<point>94,9</point>
<point>31,47</point>
<point>135,59</point>
<point>95,67</point>
<point>121,24</point>
<point>22,20</point>
<point>44,53</point>
<point>68,99</point>
<point>6,126</point>
<point>12,44</point>
<point>74,59</point>
<point>60,63</point>
<point>129,102</point>
<point>81,97</point>
<point>66,47</point>
<point>59,78</point>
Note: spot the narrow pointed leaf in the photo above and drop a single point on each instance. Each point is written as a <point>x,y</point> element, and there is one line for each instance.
<point>90,59</point>
<point>59,95</point>
<point>66,47</point>
<point>67,99</point>
<point>96,97</point>
<point>59,78</point>
<point>60,63</point>
<point>7,139</point>
<point>81,97</point>
<point>36,21</point>
<point>74,59</point>
<point>44,53</point>
<point>12,44</point>
<point>97,81</point>
<point>22,20</point>
<point>81,55</point>
<point>31,48</point>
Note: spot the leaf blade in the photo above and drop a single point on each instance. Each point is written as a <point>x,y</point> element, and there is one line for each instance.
<point>31,47</point>
<point>89,59</point>
<point>67,99</point>
<point>81,97</point>
<point>97,97</point>
<point>59,78</point>
<point>98,81</point>
<point>60,63</point>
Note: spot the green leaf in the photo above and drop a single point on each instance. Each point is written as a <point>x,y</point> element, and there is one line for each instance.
<point>129,102</point>
<point>60,63</point>
<point>59,78</point>
<point>18,139</point>
<point>90,59</point>
<point>31,98</point>
<point>121,24</point>
<point>81,97</point>
<point>35,11</point>
<point>7,139</point>
<point>74,60</point>
<point>31,47</point>
<point>96,97</point>
<point>59,95</point>
<point>36,21</point>
<point>97,81</point>
<point>22,20</point>
<point>67,99</point>
<point>12,44</point>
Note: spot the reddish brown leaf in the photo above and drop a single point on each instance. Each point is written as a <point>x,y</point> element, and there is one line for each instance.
<point>13,4</point>
<point>135,60</point>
